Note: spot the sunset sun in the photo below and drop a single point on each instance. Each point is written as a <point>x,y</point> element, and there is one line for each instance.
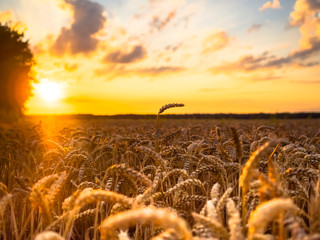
<point>49,91</point>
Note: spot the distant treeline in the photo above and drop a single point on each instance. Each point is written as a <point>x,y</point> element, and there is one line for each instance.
<point>303,115</point>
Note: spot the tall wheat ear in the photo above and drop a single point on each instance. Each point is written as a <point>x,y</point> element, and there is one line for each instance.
<point>161,110</point>
<point>170,105</point>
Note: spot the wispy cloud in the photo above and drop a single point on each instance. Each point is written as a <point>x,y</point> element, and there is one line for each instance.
<point>274,5</point>
<point>254,28</point>
<point>88,19</point>
<point>137,53</point>
<point>156,71</point>
<point>112,73</point>
<point>159,23</point>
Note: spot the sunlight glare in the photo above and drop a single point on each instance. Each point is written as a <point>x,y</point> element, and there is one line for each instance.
<point>49,91</point>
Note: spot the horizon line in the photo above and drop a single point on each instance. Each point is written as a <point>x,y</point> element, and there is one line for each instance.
<point>260,115</point>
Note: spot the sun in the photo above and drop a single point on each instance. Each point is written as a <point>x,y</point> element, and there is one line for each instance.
<point>49,91</point>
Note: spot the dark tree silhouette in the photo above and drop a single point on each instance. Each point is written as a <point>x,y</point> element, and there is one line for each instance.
<point>16,61</point>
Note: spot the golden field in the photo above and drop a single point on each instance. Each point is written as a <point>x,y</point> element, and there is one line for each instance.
<point>168,179</point>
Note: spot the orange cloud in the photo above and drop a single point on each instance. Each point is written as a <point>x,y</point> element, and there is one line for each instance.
<point>306,18</point>
<point>9,18</point>
<point>215,41</point>
<point>274,5</point>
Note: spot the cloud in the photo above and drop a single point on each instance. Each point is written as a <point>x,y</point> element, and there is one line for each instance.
<point>265,61</point>
<point>121,71</point>
<point>88,19</point>
<point>136,54</point>
<point>305,53</point>
<point>174,47</point>
<point>6,16</point>
<point>254,28</point>
<point>304,16</point>
<point>246,63</point>
<point>159,24</point>
<point>215,41</point>
<point>304,11</point>
<point>156,71</point>
<point>274,5</point>
<point>314,4</point>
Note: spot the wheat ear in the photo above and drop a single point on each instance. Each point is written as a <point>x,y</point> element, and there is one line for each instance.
<point>213,224</point>
<point>266,212</point>
<point>252,163</point>
<point>48,235</point>
<point>234,221</point>
<point>89,195</point>
<point>237,143</point>
<point>170,105</point>
<point>247,173</point>
<point>151,215</point>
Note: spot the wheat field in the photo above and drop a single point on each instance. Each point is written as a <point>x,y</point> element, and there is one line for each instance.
<point>160,179</point>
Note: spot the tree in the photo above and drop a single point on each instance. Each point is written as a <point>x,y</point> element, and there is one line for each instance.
<point>16,61</point>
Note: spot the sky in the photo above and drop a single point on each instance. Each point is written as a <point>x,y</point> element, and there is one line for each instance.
<point>133,56</point>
